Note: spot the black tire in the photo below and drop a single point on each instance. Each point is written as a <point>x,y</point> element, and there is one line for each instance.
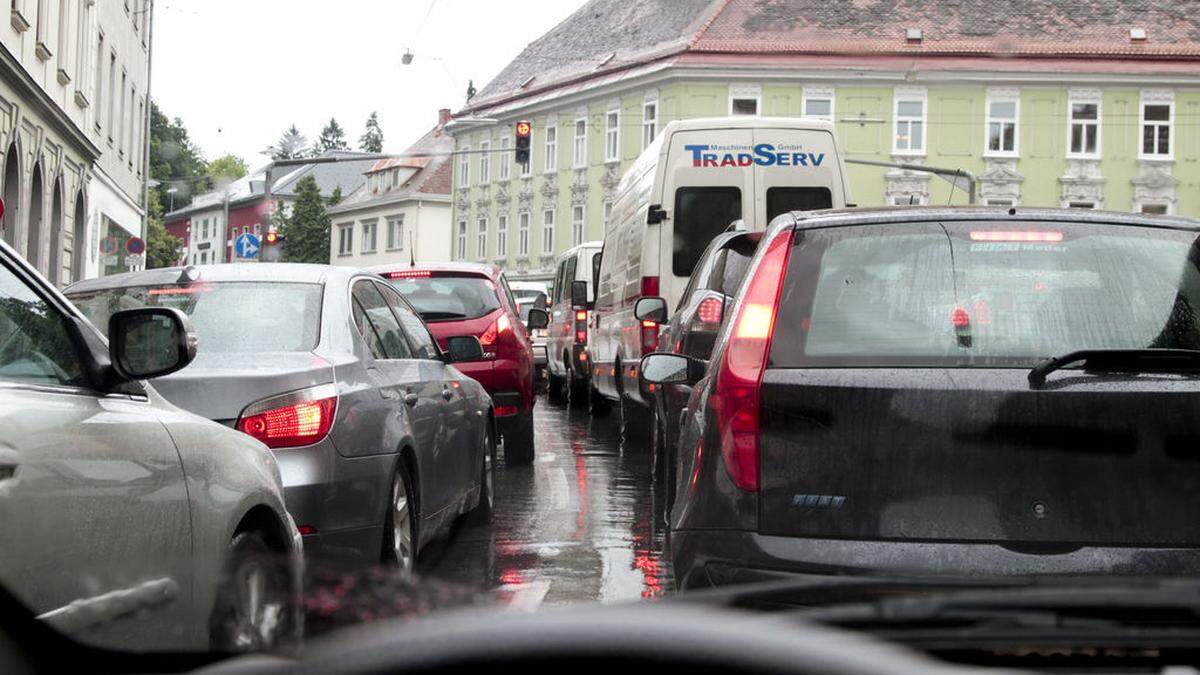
<point>396,551</point>
<point>597,404</point>
<point>634,424</point>
<point>556,389</point>
<point>577,390</point>
<point>254,608</point>
<point>518,442</point>
<point>482,513</point>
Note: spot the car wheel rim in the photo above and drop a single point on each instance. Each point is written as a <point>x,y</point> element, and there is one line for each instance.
<point>401,525</point>
<point>258,613</point>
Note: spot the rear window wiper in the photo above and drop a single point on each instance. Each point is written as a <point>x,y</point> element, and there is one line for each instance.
<point>1120,360</point>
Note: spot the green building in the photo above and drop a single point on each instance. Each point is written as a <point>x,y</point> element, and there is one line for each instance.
<point>1046,104</point>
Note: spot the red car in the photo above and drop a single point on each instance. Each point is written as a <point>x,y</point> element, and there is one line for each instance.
<point>472,299</point>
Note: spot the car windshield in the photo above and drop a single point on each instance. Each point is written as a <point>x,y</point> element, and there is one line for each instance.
<point>230,317</point>
<point>449,298</point>
<point>984,293</point>
<point>830,294</point>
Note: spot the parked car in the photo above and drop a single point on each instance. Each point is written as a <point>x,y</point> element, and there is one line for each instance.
<point>381,442</point>
<point>527,300</point>
<point>685,188</point>
<point>474,299</point>
<point>566,341</point>
<point>691,332</point>
<point>126,521</point>
<point>962,392</point>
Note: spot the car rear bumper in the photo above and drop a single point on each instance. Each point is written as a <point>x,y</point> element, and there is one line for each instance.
<point>708,558</point>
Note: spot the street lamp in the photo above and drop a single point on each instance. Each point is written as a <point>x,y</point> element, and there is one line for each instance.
<point>171,197</point>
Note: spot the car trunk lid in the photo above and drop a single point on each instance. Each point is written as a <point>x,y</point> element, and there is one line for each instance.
<point>219,386</point>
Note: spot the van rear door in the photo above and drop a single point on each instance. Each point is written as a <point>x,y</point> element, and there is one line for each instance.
<point>706,186</point>
<point>795,170</point>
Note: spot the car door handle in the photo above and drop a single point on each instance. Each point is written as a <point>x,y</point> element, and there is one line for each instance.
<point>411,399</point>
<point>447,394</point>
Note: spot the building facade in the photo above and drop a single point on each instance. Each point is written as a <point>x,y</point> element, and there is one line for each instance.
<point>71,141</point>
<point>401,213</point>
<point>209,225</point>
<point>1105,115</point>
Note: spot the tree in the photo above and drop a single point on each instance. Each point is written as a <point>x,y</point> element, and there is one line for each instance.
<point>333,137</point>
<point>372,138</point>
<point>291,145</point>
<point>175,162</point>
<point>162,247</point>
<point>306,230</point>
<point>226,169</point>
<point>336,196</point>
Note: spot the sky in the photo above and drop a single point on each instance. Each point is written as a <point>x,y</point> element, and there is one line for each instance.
<point>239,72</point>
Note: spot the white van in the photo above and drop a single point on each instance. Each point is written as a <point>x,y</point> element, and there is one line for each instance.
<point>697,178</point>
<point>566,336</point>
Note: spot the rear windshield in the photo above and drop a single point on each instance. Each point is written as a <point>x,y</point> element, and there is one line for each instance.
<point>449,298</point>
<point>787,199</point>
<point>229,317</point>
<point>983,294</point>
<point>701,213</point>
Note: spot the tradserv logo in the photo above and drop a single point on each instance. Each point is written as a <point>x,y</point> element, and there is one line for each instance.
<point>763,154</point>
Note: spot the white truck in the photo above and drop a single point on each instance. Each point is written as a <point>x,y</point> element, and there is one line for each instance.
<point>690,184</point>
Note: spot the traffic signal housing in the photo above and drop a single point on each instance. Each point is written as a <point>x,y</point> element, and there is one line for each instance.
<point>524,132</point>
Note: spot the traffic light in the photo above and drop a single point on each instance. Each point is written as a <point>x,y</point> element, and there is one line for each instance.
<point>272,237</point>
<point>524,131</point>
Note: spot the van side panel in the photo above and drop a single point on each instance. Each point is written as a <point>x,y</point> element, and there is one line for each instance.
<point>802,162</point>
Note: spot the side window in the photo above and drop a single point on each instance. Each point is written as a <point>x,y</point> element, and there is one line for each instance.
<point>423,346</point>
<point>35,344</point>
<point>556,294</point>
<point>569,276</point>
<point>507,293</point>
<point>388,337</point>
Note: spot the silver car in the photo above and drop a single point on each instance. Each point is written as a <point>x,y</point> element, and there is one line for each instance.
<point>126,521</point>
<point>381,442</point>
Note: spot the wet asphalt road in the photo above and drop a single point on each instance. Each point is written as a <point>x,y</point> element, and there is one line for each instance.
<point>576,526</point>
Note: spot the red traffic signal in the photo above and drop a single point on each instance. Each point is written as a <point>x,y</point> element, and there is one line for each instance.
<point>524,129</point>
<point>272,237</point>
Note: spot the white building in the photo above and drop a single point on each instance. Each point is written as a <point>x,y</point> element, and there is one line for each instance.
<point>402,210</point>
<point>72,132</point>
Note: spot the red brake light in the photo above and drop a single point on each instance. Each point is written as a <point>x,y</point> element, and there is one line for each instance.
<point>649,337</point>
<point>408,274</point>
<point>710,310</point>
<point>1028,236</point>
<point>960,318</point>
<point>291,420</point>
<point>649,286</point>
<point>499,328</point>
<point>736,398</point>
<point>581,315</point>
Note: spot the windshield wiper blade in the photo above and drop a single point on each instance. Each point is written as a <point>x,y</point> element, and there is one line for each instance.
<point>1120,360</point>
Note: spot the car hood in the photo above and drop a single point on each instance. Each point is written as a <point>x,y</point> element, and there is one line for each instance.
<point>219,386</point>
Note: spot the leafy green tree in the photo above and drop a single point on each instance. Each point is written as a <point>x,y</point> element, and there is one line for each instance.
<point>333,137</point>
<point>306,229</point>
<point>175,161</point>
<point>291,145</point>
<point>372,138</point>
<point>336,196</point>
<point>162,247</point>
<point>226,169</point>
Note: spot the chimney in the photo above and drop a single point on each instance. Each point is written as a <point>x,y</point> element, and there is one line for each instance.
<point>443,117</point>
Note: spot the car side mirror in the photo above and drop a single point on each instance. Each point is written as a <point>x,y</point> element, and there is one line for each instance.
<point>538,319</point>
<point>663,368</point>
<point>651,308</point>
<point>463,348</point>
<point>579,294</point>
<point>150,342</point>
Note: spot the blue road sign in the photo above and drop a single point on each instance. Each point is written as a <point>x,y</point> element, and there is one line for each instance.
<point>246,246</point>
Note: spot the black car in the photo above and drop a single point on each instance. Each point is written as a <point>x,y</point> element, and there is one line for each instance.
<point>691,332</point>
<point>948,392</point>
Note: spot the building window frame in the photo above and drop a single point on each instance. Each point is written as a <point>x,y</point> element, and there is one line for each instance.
<point>910,124</point>
<point>505,169</point>
<point>549,222</point>
<point>818,95</point>
<point>502,236</point>
<point>550,147</point>
<point>1158,208</point>
<point>649,119</point>
<point>460,248</point>
<point>741,94</point>
<point>395,238</point>
<point>612,133</point>
<point>481,238</point>
<point>578,224</point>
<point>485,162</point>
<point>345,240</point>
<point>1163,130</point>
<point>464,167</point>
<point>1002,123</point>
<point>370,236</point>
<point>1082,98</point>
<point>579,155</point>
<point>523,227</point>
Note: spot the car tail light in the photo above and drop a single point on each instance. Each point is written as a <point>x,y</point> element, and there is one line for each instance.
<point>500,329</point>
<point>710,310</point>
<point>649,286</point>
<point>506,410</point>
<point>1042,236</point>
<point>581,327</point>
<point>290,420</point>
<point>408,274</point>
<point>736,397</point>
<point>649,336</point>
